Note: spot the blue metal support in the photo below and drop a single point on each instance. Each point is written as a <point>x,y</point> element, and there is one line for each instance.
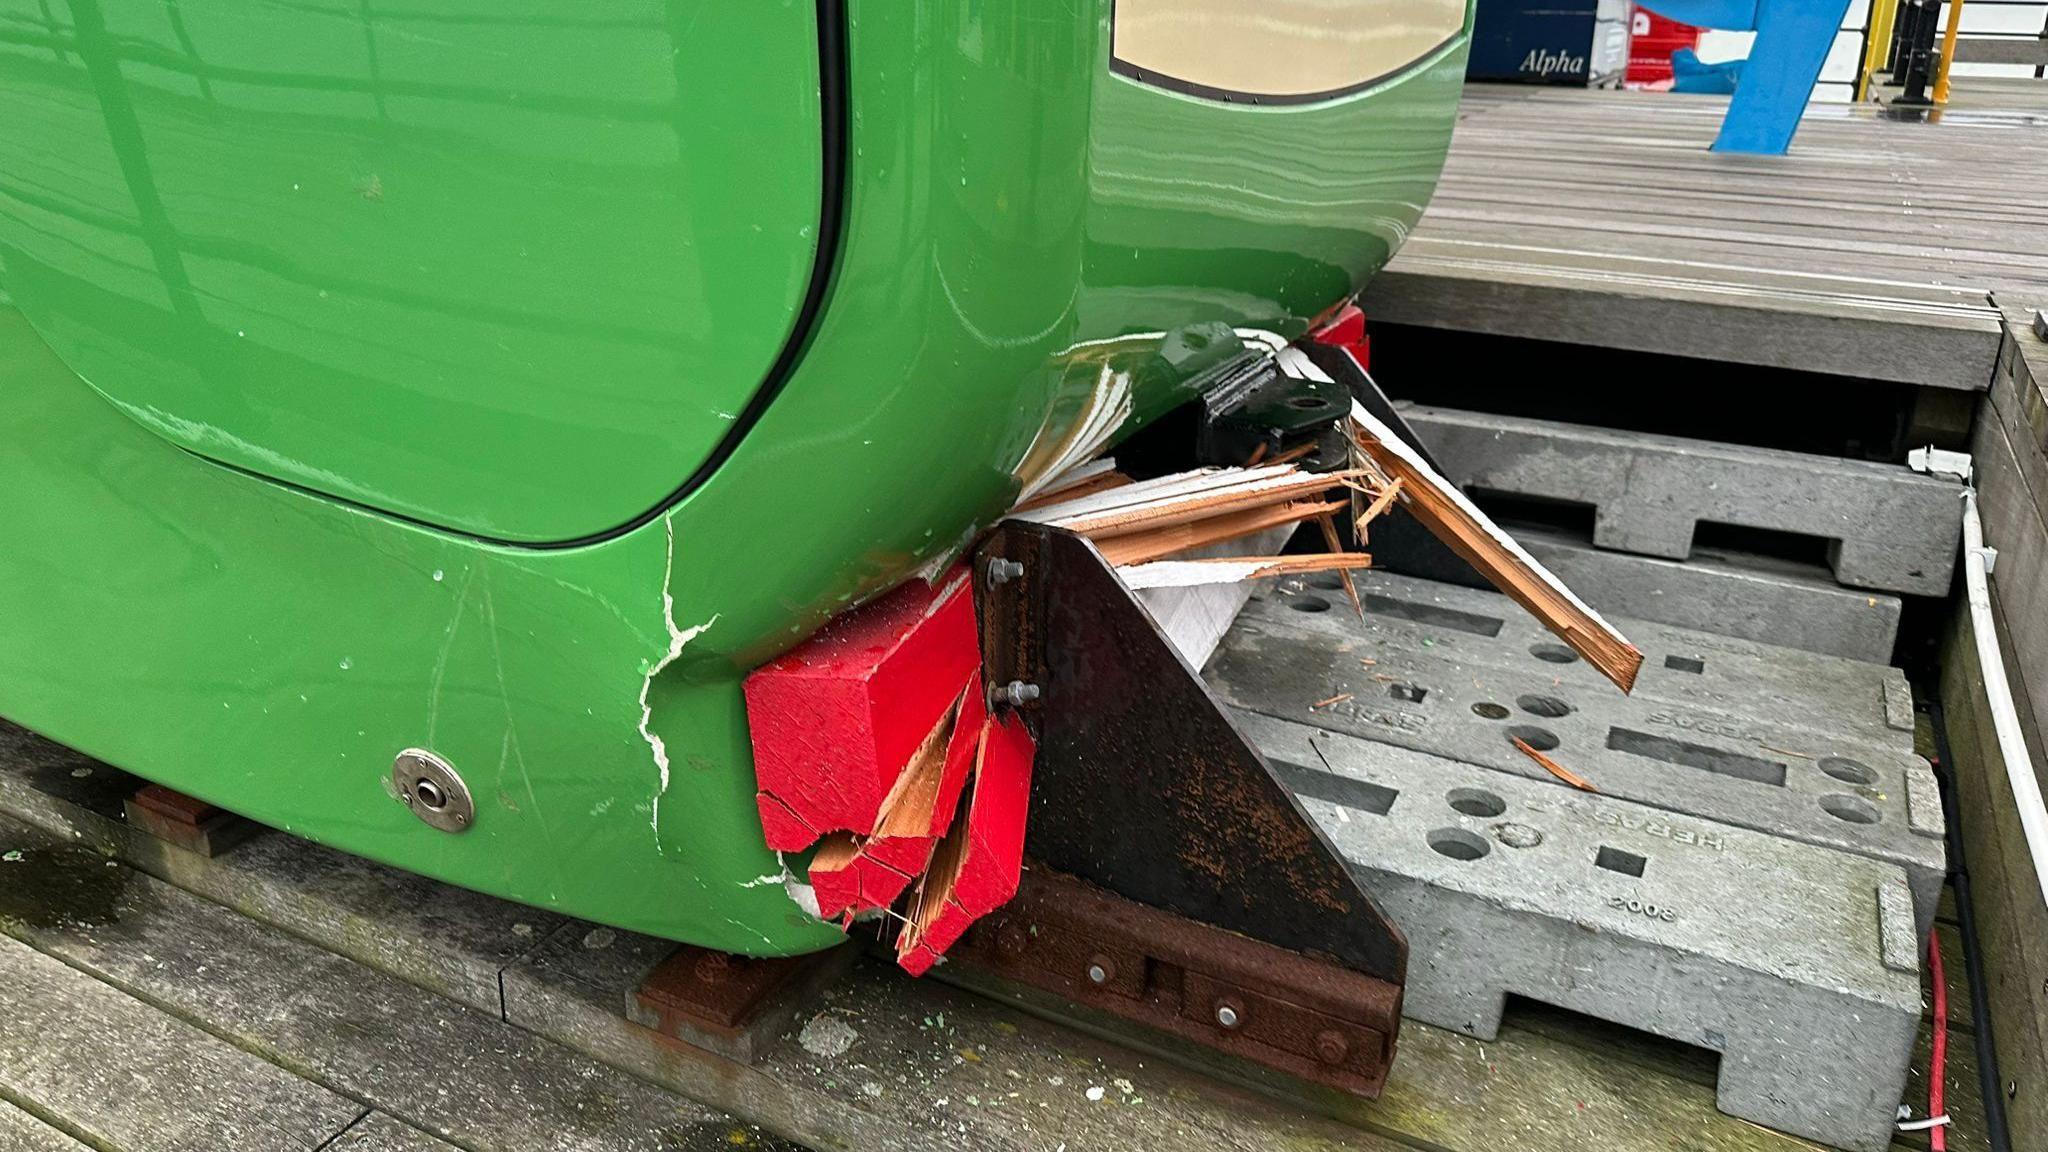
<point>1792,41</point>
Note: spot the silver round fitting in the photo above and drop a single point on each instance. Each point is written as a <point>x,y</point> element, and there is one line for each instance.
<point>1016,694</point>
<point>434,791</point>
<point>1226,1016</point>
<point>1097,974</point>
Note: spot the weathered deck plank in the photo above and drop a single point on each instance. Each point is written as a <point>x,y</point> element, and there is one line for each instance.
<point>436,1064</point>
<point>131,1078</point>
<point>449,941</point>
<point>378,1132</point>
<point>1873,250</point>
<point>21,1132</point>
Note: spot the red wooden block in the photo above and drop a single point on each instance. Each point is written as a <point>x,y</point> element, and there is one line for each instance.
<point>836,719</point>
<point>781,826</point>
<point>976,873</point>
<point>962,752</point>
<point>835,880</point>
<point>892,858</point>
<point>918,811</point>
<point>854,884</point>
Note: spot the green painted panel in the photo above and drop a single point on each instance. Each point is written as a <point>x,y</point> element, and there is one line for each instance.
<point>1023,228</point>
<point>509,268</point>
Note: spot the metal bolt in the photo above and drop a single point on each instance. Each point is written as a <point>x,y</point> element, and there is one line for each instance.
<point>432,788</point>
<point>1016,693</point>
<point>1226,1015</point>
<point>1332,1047</point>
<point>1101,969</point>
<point>1002,571</point>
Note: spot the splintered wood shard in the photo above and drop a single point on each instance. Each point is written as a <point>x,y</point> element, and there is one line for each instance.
<point>1231,569</point>
<point>1453,519</point>
<point>1252,492</point>
<point>834,877</point>
<point>854,874</point>
<point>975,869</point>
<point>1140,547</point>
<point>1551,766</point>
<point>1137,523</point>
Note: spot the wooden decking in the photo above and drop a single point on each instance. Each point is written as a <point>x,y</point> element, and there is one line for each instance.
<point>1876,250</point>
<point>284,996</point>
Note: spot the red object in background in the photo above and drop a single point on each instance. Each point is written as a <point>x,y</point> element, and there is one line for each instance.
<point>1937,1065</point>
<point>1345,328</point>
<point>1652,40</point>
<point>834,721</point>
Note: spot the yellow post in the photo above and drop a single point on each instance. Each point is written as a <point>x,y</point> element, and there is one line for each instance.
<point>1878,41</point>
<point>1948,50</point>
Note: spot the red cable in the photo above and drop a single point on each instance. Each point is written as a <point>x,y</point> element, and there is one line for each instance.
<point>1937,1136</point>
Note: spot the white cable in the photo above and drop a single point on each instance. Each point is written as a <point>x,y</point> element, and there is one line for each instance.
<point>2005,718</point>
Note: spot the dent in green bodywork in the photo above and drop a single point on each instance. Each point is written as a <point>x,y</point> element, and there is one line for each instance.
<point>1021,225</point>
<point>511,273</point>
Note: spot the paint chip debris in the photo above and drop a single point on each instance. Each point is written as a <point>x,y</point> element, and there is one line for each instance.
<point>1094,1092</point>
<point>598,939</point>
<point>827,1035</point>
<point>13,856</point>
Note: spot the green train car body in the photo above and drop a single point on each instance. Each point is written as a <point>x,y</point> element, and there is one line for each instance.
<point>508,379</point>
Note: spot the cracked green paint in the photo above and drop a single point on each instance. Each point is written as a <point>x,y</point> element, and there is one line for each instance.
<point>1021,227</point>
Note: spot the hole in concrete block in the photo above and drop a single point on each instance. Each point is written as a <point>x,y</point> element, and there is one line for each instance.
<point>1541,739</point>
<point>1327,581</point>
<point>1617,860</point>
<point>1476,802</point>
<point>1794,546</point>
<point>1434,614</point>
<point>1690,664</point>
<point>1349,791</point>
<point>1412,693</point>
<point>1548,707</point>
<point>1309,604</point>
<point>1849,771</point>
<point>1458,844</point>
<point>1490,710</point>
<point>1716,760</point>
<point>1695,1063</point>
<point>1553,653</point>
<point>1853,809</point>
<point>1571,517</point>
